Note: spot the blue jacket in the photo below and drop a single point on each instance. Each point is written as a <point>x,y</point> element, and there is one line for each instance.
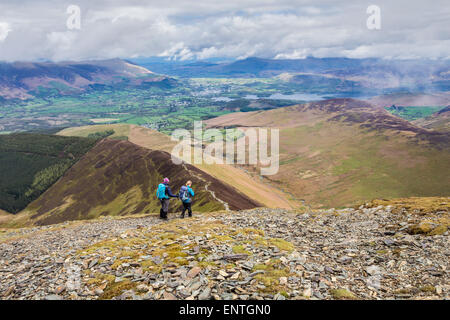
<point>190,193</point>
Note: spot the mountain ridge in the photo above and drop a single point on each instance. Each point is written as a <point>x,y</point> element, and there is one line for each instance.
<point>122,178</point>
<point>23,80</point>
<point>422,75</point>
<point>341,152</point>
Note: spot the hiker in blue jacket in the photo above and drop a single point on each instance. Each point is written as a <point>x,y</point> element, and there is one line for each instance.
<point>164,194</point>
<point>186,194</point>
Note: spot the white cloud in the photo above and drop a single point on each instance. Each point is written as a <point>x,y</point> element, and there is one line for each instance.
<point>178,52</point>
<point>5,29</point>
<point>185,29</point>
<point>297,54</point>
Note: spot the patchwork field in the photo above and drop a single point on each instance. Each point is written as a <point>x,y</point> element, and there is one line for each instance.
<point>412,113</point>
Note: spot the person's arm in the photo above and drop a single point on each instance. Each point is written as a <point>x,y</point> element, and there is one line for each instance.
<point>191,192</point>
<point>170,194</point>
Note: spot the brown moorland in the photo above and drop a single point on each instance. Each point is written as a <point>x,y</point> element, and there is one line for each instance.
<point>120,178</point>
<point>439,121</point>
<point>241,180</point>
<point>340,152</point>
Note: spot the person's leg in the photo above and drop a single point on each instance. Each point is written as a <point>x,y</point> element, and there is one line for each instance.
<point>189,209</point>
<point>166,207</point>
<point>184,210</point>
<point>161,211</point>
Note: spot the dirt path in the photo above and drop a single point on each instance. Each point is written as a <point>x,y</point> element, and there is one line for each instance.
<point>207,184</point>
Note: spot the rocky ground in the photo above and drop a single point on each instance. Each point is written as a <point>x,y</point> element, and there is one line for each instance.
<point>365,253</point>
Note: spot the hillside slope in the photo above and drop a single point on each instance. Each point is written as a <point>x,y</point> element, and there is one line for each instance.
<point>245,183</point>
<point>343,151</point>
<point>5,217</point>
<point>31,163</point>
<point>411,99</point>
<point>119,178</point>
<point>26,79</point>
<point>439,121</point>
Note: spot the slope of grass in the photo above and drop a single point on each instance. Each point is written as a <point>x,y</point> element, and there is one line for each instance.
<point>239,179</point>
<point>439,121</point>
<point>412,113</point>
<point>120,130</point>
<point>340,152</point>
<point>31,163</point>
<point>5,217</point>
<point>119,178</point>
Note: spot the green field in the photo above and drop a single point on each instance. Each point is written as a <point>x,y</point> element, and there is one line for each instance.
<point>163,109</point>
<point>412,113</point>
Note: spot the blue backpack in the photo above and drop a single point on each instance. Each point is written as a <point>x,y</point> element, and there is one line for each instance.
<point>161,191</point>
<point>184,194</point>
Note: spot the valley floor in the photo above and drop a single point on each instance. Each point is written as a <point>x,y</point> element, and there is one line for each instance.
<point>366,253</point>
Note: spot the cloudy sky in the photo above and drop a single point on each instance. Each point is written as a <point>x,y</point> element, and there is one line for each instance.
<point>200,29</point>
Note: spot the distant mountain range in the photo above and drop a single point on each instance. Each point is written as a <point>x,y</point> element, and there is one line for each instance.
<point>358,76</point>
<point>27,79</point>
<point>415,74</point>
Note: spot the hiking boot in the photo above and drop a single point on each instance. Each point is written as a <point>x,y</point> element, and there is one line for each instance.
<point>190,215</point>
<point>182,216</point>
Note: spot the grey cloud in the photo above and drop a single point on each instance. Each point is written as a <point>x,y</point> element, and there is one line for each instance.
<point>182,29</point>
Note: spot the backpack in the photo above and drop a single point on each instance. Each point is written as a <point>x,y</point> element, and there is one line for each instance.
<point>161,191</point>
<point>184,194</point>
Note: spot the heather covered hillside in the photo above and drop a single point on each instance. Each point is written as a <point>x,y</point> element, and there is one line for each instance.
<point>241,180</point>
<point>120,178</point>
<point>439,121</point>
<point>343,151</point>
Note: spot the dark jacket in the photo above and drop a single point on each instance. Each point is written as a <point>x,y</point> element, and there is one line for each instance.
<point>169,192</point>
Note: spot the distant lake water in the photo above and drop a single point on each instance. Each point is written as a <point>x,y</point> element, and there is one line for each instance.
<point>226,99</point>
<point>295,96</point>
<point>280,96</point>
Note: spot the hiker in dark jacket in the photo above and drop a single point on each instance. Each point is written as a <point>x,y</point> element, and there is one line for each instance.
<point>186,194</point>
<point>164,194</point>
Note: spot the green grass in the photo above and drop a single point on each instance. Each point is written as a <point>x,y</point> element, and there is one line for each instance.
<point>339,164</point>
<point>412,113</point>
<point>101,134</point>
<point>162,109</point>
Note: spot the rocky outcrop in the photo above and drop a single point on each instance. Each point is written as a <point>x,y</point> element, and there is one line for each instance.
<point>364,253</point>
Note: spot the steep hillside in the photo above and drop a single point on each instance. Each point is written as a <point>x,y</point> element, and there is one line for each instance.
<point>411,99</point>
<point>439,121</point>
<point>31,163</point>
<point>252,187</point>
<point>343,151</point>
<point>5,217</point>
<point>119,178</point>
<point>26,79</point>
